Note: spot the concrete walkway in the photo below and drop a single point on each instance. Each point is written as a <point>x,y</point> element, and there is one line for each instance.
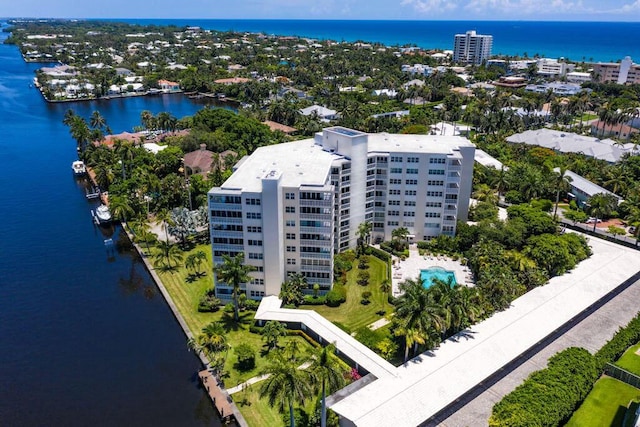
<point>380,323</point>
<point>591,333</point>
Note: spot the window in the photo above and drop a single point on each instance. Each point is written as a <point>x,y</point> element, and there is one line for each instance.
<point>409,203</point>
<point>394,192</point>
<point>254,242</point>
<point>254,229</point>
<point>254,255</point>
<point>396,159</point>
<point>413,159</point>
<point>290,223</point>
<point>290,196</point>
<point>447,229</point>
<point>254,215</point>
<point>412,171</point>
<point>409,192</point>
<point>432,225</point>
<point>393,213</point>
<point>432,214</point>
<point>436,171</point>
<point>434,204</point>
<point>435,182</point>
<point>291,248</point>
<point>408,224</point>
<point>437,160</point>
<point>452,197</point>
<point>434,193</point>
<point>411,182</point>
<point>291,261</point>
<point>395,181</point>
<point>253,202</point>
<point>290,209</point>
<point>394,202</point>
<point>291,236</point>
<point>258,268</point>
<point>409,214</point>
<point>395,170</point>
<point>393,223</point>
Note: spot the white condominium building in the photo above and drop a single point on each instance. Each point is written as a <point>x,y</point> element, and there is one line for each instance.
<point>289,207</point>
<point>472,48</point>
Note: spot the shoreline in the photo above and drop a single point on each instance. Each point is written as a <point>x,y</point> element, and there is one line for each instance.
<point>239,419</point>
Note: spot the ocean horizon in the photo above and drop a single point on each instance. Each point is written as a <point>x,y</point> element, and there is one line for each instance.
<point>573,40</point>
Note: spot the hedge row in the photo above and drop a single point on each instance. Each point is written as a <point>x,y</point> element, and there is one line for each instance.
<point>621,341</point>
<point>311,300</point>
<point>549,396</point>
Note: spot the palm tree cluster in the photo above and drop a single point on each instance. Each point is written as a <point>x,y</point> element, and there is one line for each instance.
<point>423,316</point>
<point>294,375</point>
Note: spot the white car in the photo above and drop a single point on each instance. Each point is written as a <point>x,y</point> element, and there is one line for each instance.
<point>591,220</point>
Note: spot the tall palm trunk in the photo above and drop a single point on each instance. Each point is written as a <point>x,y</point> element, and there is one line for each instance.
<point>236,307</point>
<point>292,420</point>
<point>323,410</point>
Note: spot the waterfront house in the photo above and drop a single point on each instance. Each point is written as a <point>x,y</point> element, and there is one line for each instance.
<point>201,161</point>
<point>581,189</point>
<point>167,86</point>
<point>324,114</point>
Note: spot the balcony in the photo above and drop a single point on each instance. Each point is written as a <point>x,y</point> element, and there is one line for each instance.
<point>225,206</point>
<point>316,203</point>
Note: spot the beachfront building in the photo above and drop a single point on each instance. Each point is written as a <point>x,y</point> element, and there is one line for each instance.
<point>548,67</point>
<point>290,207</point>
<point>623,72</point>
<point>472,48</point>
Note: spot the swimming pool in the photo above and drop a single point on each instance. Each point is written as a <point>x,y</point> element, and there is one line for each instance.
<point>430,274</point>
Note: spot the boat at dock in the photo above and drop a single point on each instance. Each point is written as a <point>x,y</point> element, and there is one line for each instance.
<point>78,167</point>
<point>102,215</point>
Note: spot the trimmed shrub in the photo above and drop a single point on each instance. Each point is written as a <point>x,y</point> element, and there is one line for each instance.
<point>363,278</point>
<point>209,303</point>
<point>246,357</point>
<point>311,300</point>
<point>549,396</point>
<point>336,296</point>
<point>380,254</point>
<point>370,338</point>
<point>251,304</point>
<point>229,308</point>
<point>366,298</point>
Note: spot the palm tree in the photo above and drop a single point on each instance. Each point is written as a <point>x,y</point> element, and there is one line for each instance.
<point>561,182</point>
<point>364,232</point>
<point>633,219</point>
<point>120,207</point>
<point>164,217</point>
<point>168,251</point>
<point>519,261</point>
<point>417,313</point>
<point>97,121</point>
<point>212,341</point>
<point>234,272</point>
<point>325,369</point>
<point>601,205</point>
<point>285,385</point>
<point>272,332</point>
<point>385,286</point>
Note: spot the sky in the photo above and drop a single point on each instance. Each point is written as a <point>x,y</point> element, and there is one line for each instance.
<point>530,10</point>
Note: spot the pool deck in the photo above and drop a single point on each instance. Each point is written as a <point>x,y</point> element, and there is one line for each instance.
<point>425,385</point>
<point>410,269</point>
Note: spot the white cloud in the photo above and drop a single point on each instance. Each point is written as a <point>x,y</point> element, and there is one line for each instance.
<point>430,6</point>
<point>628,7</point>
<point>526,7</point>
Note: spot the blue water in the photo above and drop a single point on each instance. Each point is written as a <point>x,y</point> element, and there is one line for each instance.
<point>86,339</point>
<point>429,276</point>
<point>589,41</point>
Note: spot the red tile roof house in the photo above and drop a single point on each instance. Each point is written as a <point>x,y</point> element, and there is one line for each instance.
<point>167,86</point>
<point>199,161</point>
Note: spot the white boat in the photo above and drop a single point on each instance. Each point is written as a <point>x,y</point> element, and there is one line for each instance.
<point>78,168</point>
<point>103,214</point>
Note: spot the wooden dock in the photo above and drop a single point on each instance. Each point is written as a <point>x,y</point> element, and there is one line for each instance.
<point>221,400</point>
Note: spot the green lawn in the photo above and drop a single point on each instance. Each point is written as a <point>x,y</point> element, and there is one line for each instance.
<point>630,361</point>
<point>352,313</point>
<point>186,293</point>
<point>605,405</point>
